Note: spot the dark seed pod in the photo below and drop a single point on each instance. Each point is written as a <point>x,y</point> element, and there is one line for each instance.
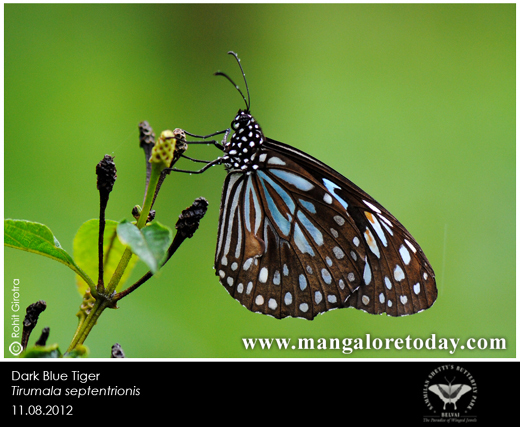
<point>189,218</point>
<point>106,173</point>
<point>43,337</point>
<point>30,320</point>
<point>146,135</point>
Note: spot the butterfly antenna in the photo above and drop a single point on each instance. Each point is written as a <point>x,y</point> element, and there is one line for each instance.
<point>220,73</point>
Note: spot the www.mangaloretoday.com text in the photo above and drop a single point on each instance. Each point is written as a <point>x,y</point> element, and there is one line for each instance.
<point>348,345</point>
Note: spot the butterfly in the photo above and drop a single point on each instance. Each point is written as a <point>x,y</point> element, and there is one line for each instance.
<point>296,238</point>
<point>449,393</point>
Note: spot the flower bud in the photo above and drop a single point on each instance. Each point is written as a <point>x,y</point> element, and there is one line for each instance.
<point>162,152</point>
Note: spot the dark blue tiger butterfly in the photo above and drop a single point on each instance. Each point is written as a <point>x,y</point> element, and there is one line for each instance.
<point>296,238</point>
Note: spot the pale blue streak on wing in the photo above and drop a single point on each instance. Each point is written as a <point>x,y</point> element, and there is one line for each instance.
<point>331,187</point>
<point>308,205</point>
<point>309,226</point>
<point>283,224</point>
<point>298,181</point>
<point>301,242</point>
<point>281,192</point>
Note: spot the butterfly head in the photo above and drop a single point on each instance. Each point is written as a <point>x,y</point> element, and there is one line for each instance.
<point>241,151</point>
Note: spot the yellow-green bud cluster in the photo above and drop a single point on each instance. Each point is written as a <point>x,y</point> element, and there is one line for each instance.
<point>162,152</point>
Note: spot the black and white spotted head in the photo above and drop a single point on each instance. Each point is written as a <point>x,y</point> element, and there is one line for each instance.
<point>241,151</point>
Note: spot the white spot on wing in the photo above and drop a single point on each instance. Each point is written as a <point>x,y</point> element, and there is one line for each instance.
<point>327,198</point>
<point>327,278</point>
<point>398,273</point>
<point>263,275</point>
<point>247,264</point>
<point>417,288</point>
<point>405,255</point>
<point>339,220</point>
<point>303,282</point>
<point>338,253</point>
<point>288,299</point>
<point>367,273</point>
<point>318,297</point>
<point>276,277</point>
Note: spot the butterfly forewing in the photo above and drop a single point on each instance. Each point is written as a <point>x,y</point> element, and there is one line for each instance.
<point>400,278</point>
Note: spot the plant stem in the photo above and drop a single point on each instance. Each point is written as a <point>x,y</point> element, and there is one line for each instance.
<point>118,273</point>
<point>86,326</point>
<point>149,198</point>
<point>141,222</point>
<point>105,298</point>
<point>101,284</point>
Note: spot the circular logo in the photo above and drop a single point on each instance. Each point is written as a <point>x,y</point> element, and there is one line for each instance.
<point>450,391</point>
<point>15,348</point>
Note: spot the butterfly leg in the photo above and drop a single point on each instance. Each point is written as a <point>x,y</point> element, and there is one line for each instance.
<point>195,160</point>
<point>219,145</point>
<point>204,169</point>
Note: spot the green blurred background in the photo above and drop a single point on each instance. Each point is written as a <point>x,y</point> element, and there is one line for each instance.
<point>414,103</point>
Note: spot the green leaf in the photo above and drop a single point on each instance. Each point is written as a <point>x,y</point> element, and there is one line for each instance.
<point>150,243</point>
<point>85,249</point>
<point>38,238</point>
<point>79,351</point>
<point>47,352</point>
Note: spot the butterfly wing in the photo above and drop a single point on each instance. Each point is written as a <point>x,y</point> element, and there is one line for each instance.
<point>272,257</point>
<point>296,238</point>
<point>399,277</point>
<point>459,391</point>
<point>441,390</point>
